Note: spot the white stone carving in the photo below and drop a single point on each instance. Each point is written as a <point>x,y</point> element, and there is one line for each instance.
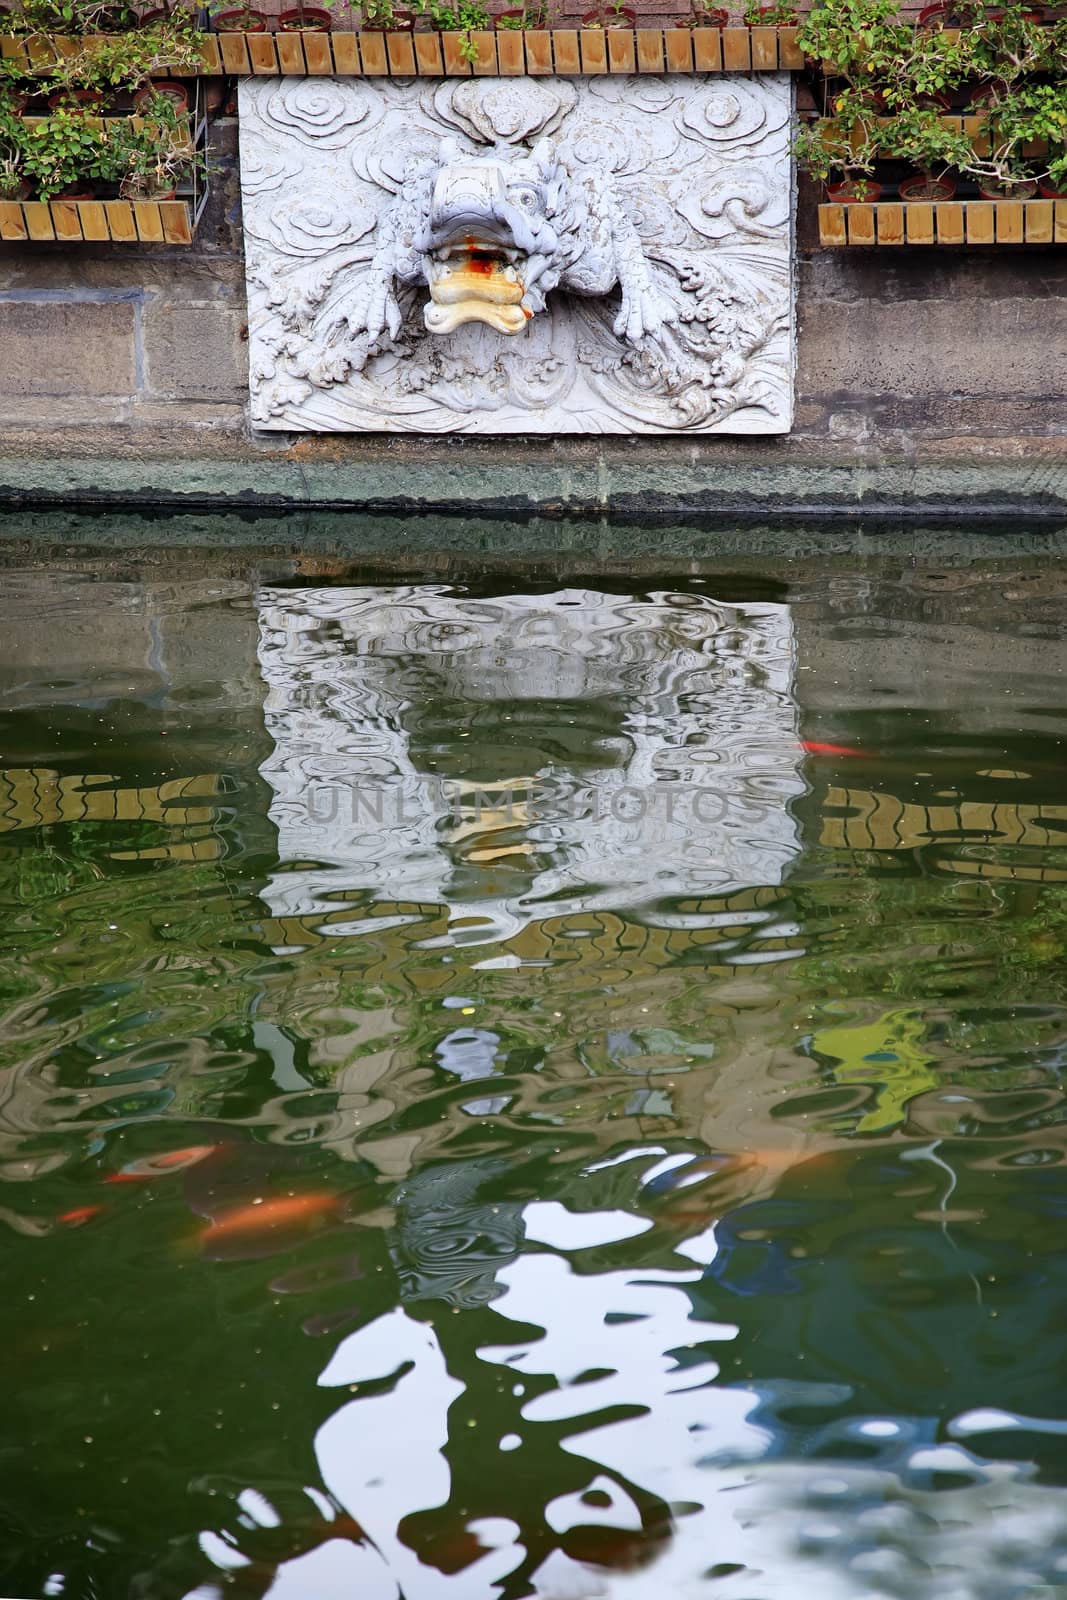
<point>495,256</point>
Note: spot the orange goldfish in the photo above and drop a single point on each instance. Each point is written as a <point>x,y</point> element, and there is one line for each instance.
<point>160,1165</point>
<point>80,1214</point>
<point>814,747</point>
<point>268,1224</point>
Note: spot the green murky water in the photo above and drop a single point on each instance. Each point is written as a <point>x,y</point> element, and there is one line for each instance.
<point>533,1086</point>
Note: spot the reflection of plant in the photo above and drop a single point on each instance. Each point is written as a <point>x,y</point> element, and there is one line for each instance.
<point>891,1054</point>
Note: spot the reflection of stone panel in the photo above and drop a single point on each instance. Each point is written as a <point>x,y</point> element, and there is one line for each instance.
<point>674,797</point>
<point>599,255</point>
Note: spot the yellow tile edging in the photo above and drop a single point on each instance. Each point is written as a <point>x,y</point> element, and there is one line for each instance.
<point>97,221</point>
<point>561,51</point>
<point>943,222</point>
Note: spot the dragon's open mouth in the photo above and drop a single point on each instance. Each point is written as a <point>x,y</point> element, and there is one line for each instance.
<point>475,281</point>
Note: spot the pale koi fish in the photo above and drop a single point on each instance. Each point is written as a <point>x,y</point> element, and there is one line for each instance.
<point>159,1166</point>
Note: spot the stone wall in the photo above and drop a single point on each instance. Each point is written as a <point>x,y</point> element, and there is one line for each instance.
<point>927,380</point>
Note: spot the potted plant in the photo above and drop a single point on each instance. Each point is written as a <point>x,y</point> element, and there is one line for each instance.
<point>846,145</point>
<point>779,14</point>
<point>89,98</point>
<point>532,15</point>
<point>383,15</point>
<point>701,16</point>
<point>64,154</point>
<point>243,19</point>
<point>146,162</point>
<point>167,88</point>
<point>892,84</point>
<point>457,16</point>
<point>923,185</point>
<point>301,18</point>
<point>1007,188</point>
<point>611,14</point>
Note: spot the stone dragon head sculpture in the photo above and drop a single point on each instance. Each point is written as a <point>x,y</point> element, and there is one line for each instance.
<point>494,226</point>
<point>490,235</point>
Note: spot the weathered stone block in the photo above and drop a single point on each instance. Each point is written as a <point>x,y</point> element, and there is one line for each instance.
<point>76,347</point>
<point>195,352</point>
<point>968,349</point>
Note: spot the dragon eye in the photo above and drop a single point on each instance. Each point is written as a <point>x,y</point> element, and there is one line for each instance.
<point>526,198</point>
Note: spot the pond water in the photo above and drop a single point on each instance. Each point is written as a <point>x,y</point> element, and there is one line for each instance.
<point>533,1084</point>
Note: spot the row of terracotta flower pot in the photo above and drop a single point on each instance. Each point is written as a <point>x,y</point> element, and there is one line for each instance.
<point>922,186</point>
<point>947,14</point>
<point>97,103</point>
<point>90,191</point>
<point>247,19</point>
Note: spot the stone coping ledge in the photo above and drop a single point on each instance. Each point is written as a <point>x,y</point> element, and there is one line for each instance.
<point>981,222</point>
<point>565,52</point>
<point>489,484</point>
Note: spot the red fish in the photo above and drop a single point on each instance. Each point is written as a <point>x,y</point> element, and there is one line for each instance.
<point>815,748</point>
<point>268,1224</point>
<point>80,1214</point>
<point>159,1166</point>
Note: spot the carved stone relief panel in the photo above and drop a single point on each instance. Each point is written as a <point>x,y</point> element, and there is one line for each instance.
<point>519,255</point>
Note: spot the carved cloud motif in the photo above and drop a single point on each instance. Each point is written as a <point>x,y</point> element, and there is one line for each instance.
<point>680,186</point>
<point>508,111</point>
<point>322,112</point>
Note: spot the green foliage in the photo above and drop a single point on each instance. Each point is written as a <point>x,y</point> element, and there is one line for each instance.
<point>70,147</point>
<point>457,16</point>
<point>887,83</point>
<point>533,15</point>
<point>780,14</point>
<point>378,13</point>
<point>62,150</point>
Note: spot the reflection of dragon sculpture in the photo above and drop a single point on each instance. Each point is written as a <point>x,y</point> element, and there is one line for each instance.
<point>491,235</point>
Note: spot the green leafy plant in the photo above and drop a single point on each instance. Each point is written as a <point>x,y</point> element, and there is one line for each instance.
<point>63,150</point>
<point>888,84</point>
<point>71,16</point>
<point>779,14</point>
<point>378,13</point>
<point>127,61</point>
<point>532,15</point>
<point>73,148</point>
<point>458,16</point>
